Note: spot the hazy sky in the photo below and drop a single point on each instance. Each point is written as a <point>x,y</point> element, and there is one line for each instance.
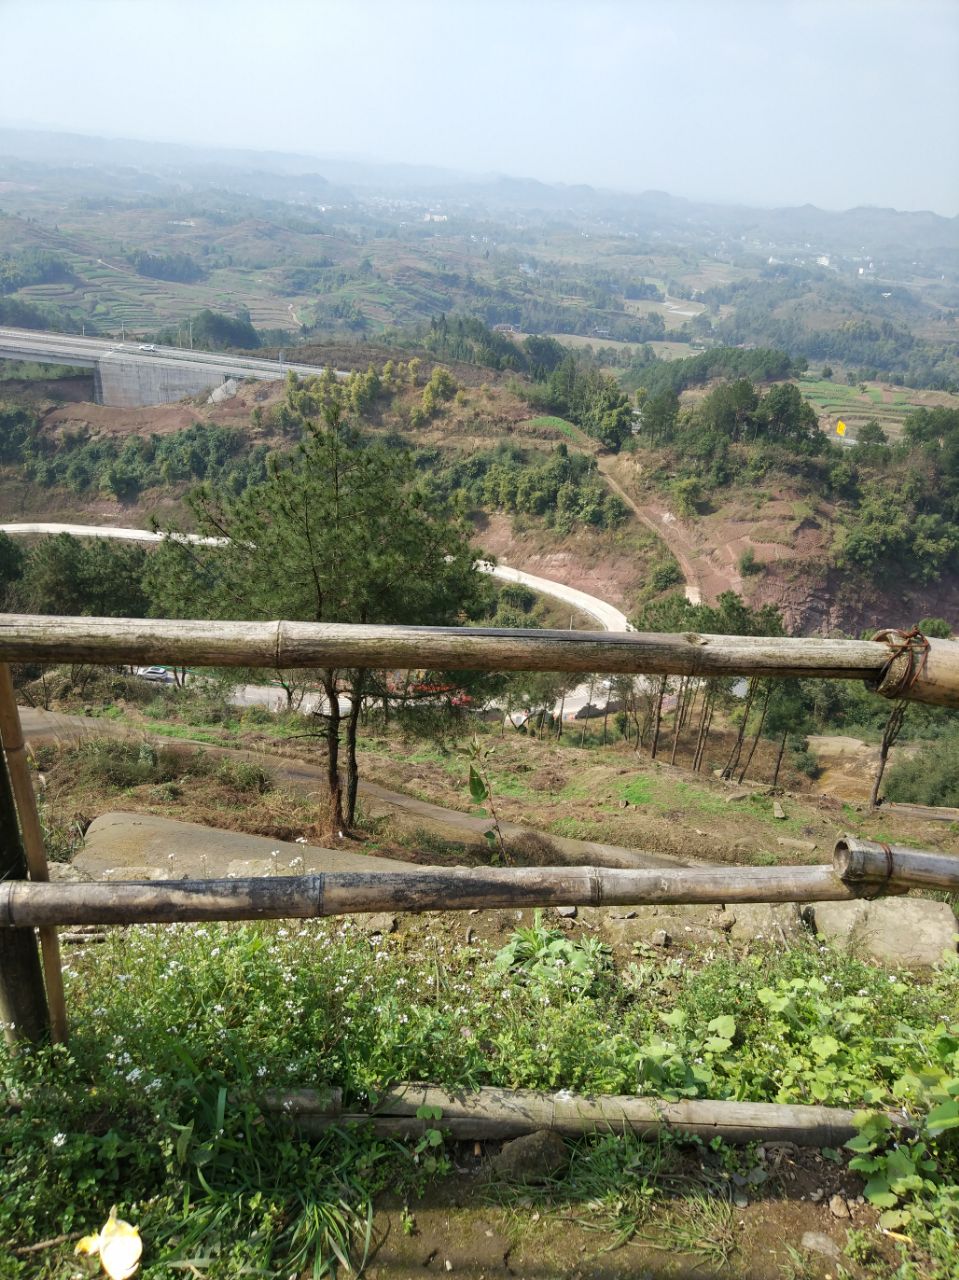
<point>767,101</point>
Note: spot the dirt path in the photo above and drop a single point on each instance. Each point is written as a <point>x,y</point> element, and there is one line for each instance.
<point>705,582</point>
<point>40,727</point>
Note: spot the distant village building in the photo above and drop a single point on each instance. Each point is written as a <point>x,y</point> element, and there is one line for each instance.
<point>505,328</point>
<point>436,217</point>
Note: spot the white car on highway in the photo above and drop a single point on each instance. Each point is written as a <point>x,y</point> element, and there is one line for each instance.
<point>159,675</point>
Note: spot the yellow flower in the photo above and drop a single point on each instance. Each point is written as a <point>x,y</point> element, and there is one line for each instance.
<point>118,1244</point>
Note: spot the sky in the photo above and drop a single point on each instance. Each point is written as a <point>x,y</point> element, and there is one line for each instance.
<point>769,102</point>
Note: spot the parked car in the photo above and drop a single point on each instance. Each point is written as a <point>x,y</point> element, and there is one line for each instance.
<point>158,674</point>
<point>147,346</point>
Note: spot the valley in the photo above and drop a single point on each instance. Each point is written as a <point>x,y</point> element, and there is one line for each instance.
<point>510,405</point>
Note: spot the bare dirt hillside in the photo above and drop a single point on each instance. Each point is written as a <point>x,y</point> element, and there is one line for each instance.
<point>791,533</point>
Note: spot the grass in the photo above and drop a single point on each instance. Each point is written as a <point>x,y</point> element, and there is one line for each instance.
<point>549,422</point>
<point>178,1030</point>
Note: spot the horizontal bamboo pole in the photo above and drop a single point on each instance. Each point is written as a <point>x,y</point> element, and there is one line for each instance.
<point>506,1113</point>
<point>868,862</point>
<point>302,644</point>
<point>42,638</point>
<point>428,889</point>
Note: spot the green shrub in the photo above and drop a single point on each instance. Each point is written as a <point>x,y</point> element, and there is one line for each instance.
<point>243,775</point>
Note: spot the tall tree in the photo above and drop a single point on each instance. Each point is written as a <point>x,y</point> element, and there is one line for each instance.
<point>339,532</point>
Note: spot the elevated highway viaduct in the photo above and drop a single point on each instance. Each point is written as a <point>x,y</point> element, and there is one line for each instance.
<point>127,374</point>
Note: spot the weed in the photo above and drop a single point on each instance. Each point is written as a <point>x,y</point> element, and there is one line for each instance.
<point>481,792</point>
<point>543,955</point>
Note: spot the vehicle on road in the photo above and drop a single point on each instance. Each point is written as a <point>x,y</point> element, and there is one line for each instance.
<point>147,346</point>
<point>159,675</point>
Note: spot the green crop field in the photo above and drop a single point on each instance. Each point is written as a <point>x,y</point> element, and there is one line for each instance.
<point>888,405</point>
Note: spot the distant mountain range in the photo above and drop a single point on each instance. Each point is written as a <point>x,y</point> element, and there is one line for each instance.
<point>300,177</point>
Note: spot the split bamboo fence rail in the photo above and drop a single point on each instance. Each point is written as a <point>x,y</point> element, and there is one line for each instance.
<point>895,664</point>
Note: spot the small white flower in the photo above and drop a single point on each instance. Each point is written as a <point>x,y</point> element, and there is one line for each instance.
<point>58,1139</point>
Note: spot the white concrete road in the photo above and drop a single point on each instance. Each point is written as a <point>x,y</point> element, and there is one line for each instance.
<point>608,617</point>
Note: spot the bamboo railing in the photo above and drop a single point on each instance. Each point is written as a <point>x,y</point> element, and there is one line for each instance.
<point>860,869</point>
<point>892,665</point>
<point>895,664</point>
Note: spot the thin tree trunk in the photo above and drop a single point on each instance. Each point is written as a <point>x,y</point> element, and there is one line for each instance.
<point>889,736</point>
<point>659,717</point>
<point>333,782</point>
<point>606,715</point>
<point>759,729</point>
<point>779,758</point>
<point>709,703</point>
<point>689,701</point>
<point>352,724</point>
<point>730,767</point>
<point>703,712</point>
<point>589,703</point>
<point>681,697</point>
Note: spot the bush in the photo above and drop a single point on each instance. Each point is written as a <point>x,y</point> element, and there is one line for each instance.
<point>664,575</point>
<point>748,564</point>
<point>931,776</point>
<point>243,775</point>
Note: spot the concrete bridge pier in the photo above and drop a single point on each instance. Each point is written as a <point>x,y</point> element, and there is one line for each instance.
<point>127,383</point>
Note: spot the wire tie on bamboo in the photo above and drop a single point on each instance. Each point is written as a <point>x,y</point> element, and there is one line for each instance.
<point>907,661</point>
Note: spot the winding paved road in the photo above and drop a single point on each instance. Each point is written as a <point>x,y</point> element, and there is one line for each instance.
<point>608,617</point>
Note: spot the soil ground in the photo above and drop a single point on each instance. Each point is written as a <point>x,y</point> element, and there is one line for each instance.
<point>716,1222</point>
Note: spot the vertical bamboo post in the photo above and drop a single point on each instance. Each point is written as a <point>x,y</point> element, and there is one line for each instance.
<point>25,806</point>
<point>23,1002</point>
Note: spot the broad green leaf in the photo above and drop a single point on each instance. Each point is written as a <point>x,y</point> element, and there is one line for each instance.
<point>824,1046</point>
<point>724,1026</point>
<point>942,1118</point>
<point>478,788</point>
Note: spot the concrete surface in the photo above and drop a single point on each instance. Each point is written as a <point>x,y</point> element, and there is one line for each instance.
<point>911,932</point>
<point>134,846</point>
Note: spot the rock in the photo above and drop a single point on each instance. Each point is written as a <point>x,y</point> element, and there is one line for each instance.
<point>802,846</point>
<point>778,810</point>
<point>740,1200</point>
<point>660,938</point>
<point>67,873</point>
<point>568,913</point>
<point>226,391</point>
<point>379,922</point>
<point>914,932</point>
<point>816,1242</point>
<point>764,921</point>
<point>737,795</point>
<point>535,1157</point>
<point>838,1207</point>
<point>817,1195</point>
<point>692,923</point>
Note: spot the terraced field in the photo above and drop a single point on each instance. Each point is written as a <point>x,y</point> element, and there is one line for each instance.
<point>857,405</point>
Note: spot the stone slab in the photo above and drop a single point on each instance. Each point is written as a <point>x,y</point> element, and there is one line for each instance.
<point>128,846</point>
<point>911,932</point>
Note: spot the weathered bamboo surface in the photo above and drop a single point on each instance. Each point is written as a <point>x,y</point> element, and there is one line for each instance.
<point>505,1113</point>
<point>277,644</point>
<point>423,889</point>
<point>868,862</point>
<point>11,738</point>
